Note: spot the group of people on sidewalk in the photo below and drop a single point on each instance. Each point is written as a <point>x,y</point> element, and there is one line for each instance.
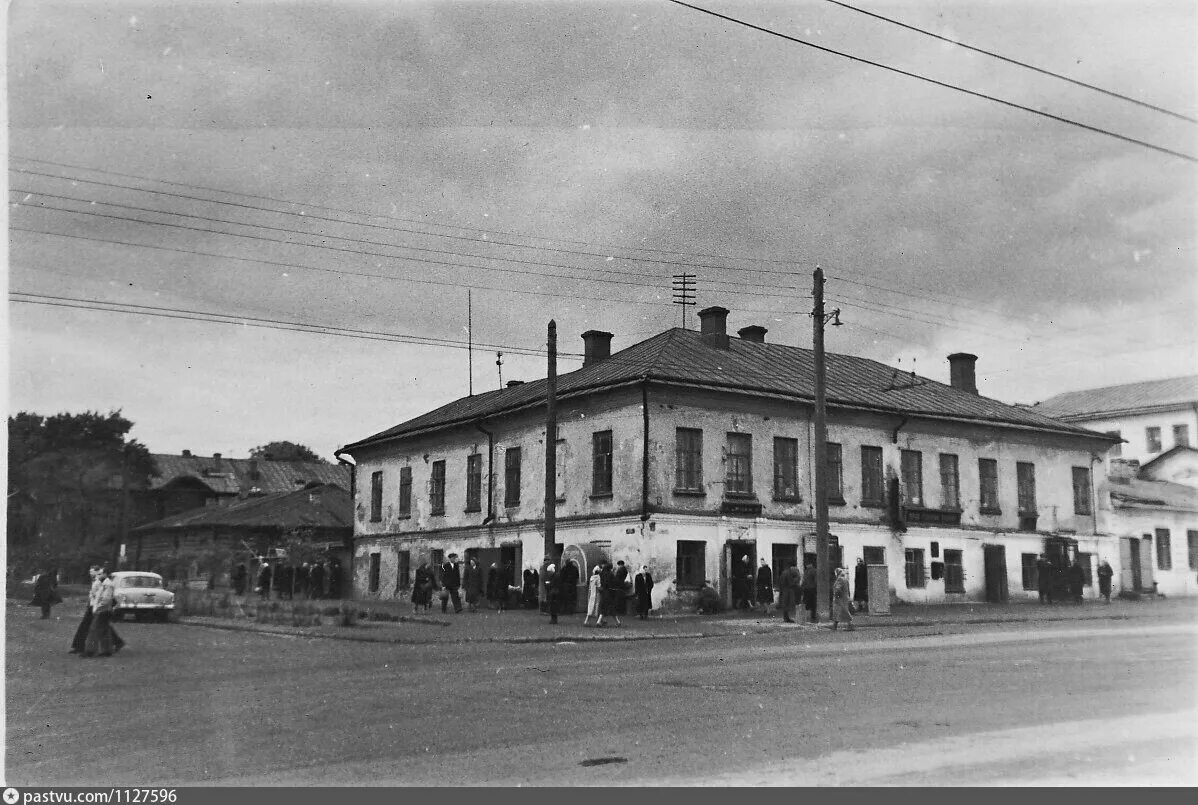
<point>311,580</point>
<point>608,591</point>
<point>456,581</point>
<point>796,588</point>
<point>1054,582</point>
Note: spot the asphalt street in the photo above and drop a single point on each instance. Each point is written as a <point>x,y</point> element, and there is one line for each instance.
<point>1102,702</point>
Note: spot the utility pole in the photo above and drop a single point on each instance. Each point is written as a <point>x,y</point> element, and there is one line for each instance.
<point>822,569</point>
<point>684,293</point>
<point>551,446</point>
<point>470,339</point>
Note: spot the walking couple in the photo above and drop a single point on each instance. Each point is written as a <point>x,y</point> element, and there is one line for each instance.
<point>95,635</point>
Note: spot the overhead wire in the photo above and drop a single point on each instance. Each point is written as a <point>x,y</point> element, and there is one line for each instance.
<point>936,82</point>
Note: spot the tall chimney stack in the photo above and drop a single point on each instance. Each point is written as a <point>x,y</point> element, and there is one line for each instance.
<point>962,373</point>
<point>714,326</point>
<point>754,332</point>
<point>596,346</point>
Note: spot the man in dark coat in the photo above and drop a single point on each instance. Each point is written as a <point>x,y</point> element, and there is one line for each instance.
<point>529,588</point>
<point>742,583</point>
<point>607,595</point>
<point>334,575</point>
<point>1045,571</point>
<point>552,591</point>
<point>765,586</point>
<point>568,587</point>
<point>788,586</point>
<point>709,599</point>
<point>807,589</point>
<point>1105,572</point>
<point>643,588</point>
<point>451,580</point>
<point>45,591</point>
<point>621,588</point>
<point>861,586</point>
<point>1077,581</point>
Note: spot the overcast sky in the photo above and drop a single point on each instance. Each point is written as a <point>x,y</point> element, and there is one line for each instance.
<point>564,159</point>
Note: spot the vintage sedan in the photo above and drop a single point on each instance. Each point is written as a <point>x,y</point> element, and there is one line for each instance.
<point>142,594</point>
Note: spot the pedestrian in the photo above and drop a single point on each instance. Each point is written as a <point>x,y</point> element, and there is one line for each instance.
<point>286,582</point>
<point>77,643</point>
<point>553,591</point>
<point>316,581</point>
<point>472,583</point>
<point>842,605</point>
<point>45,591</point>
<point>101,638</point>
<point>568,577</point>
<point>861,586</point>
<point>742,583</point>
<point>594,593</point>
<point>643,589</point>
<point>788,587</point>
<point>1076,576</point>
<point>451,580</point>
<point>807,588</point>
<point>765,586</point>
<point>264,574</point>
<point>503,586</point>
<point>1044,577</point>
<point>1104,580</point>
<point>709,599</point>
<point>240,578</point>
<point>610,590</point>
<point>529,589</point>
<point>422,588</point>
<point>622,588</point>
<point>334,576</point>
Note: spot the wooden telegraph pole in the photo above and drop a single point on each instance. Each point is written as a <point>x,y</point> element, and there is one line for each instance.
<point>823,604</point>
<point>551,447</point>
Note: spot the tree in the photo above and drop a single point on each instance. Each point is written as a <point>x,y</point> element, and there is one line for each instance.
<point>285,451</point>
<point>67,481</point>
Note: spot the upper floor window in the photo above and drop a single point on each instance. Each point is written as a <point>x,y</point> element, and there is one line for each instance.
<point>739,474</point>
<point>474,482</point>
<point>511,477</point>
<point>688,456</point>
<point>835,474</point>
<point>376,496</point>
<point>950,482</point>
<point>786,468</point>
<point>601,472</point>
<point>405,491</point>
<point>912,470</point>
<point>436,488</point>
<point>1081,491</point>
<point>1181,435</point>
<point>1025,480</point>
<point>873,481</point>
<point>988,485</point>
<point>1153,437</point>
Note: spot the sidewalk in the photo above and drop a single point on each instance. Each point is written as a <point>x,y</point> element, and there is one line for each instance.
<point>529,626</point>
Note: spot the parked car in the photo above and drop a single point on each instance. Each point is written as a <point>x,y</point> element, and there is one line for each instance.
<point>142,594</point>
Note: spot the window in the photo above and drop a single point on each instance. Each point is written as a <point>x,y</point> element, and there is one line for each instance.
<point>474,482</point>
<point>403,574</point>
<point>739,474</point>
<point>1181,435</point>
<point>511,477</point>
<point>405,491</point>
<point>1031,575</point>
<point>954,572</point>
<point>1153,437</point>
<point>601,480</point>
<point>688,454</point>
<point>1086,560</point>
<point>912,470</point>
<point>1025,480</point>
<point>874,555</point>
<point>1117,448</point>
<point>692,564</point>
<point>1192,539</point>
<point>375,565</point>
<point>436,488</point>
<point>835,474</point>
<point>873,484</point>
<point>1081,491</point>
<point>1164,553</point>
<point>950,482</point>
<point>988,486</point>
<point>786,469</point>
<point>376,496</point>
<point>916,575</point>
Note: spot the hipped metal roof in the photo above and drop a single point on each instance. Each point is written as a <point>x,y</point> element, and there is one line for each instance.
<point>322,506</point>
<point>231,476</point>
<point>686,357</point>
<point>1150,395</point>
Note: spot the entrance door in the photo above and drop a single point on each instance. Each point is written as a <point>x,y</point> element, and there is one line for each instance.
<point>736,574</point>
<point>994,559</point>
<point>1145,564</point>
<point>1129,561</point>
<point>783,555</point>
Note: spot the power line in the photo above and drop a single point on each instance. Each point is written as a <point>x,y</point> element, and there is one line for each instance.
<point>1016,62</point>
<point>974,93</point>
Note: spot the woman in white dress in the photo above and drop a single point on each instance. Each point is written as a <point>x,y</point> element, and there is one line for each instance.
<point>593,595</point>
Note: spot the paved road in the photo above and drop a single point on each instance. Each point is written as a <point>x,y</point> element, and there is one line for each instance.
<point>1052,703</point>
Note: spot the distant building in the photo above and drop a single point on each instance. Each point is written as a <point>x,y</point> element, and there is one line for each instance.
<point>1152,417</point>
<point>690,451</point>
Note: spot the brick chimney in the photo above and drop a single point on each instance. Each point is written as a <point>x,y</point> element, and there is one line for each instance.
<point>714,326</point>
<point>596,346</point>
<point>216,457</point>
<point>754,332</point>
<point>186,454</point>
<point>961,372</point>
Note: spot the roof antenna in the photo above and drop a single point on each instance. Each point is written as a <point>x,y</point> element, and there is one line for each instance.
<point>499,363</point>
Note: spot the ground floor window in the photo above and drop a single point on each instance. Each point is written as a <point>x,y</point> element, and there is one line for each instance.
<point>692,565</point>
<point>915,572</point>
<point>1031,580</point>
<point>1164,553</point>
<point>403,577</point>
<point>874,555</point>
<point>1192,539</point>
<point>375,566</point>
<point>1086,562</point>
<point>954,572</point>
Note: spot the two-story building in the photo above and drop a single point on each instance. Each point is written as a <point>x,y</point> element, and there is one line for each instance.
<point>690,450</point>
